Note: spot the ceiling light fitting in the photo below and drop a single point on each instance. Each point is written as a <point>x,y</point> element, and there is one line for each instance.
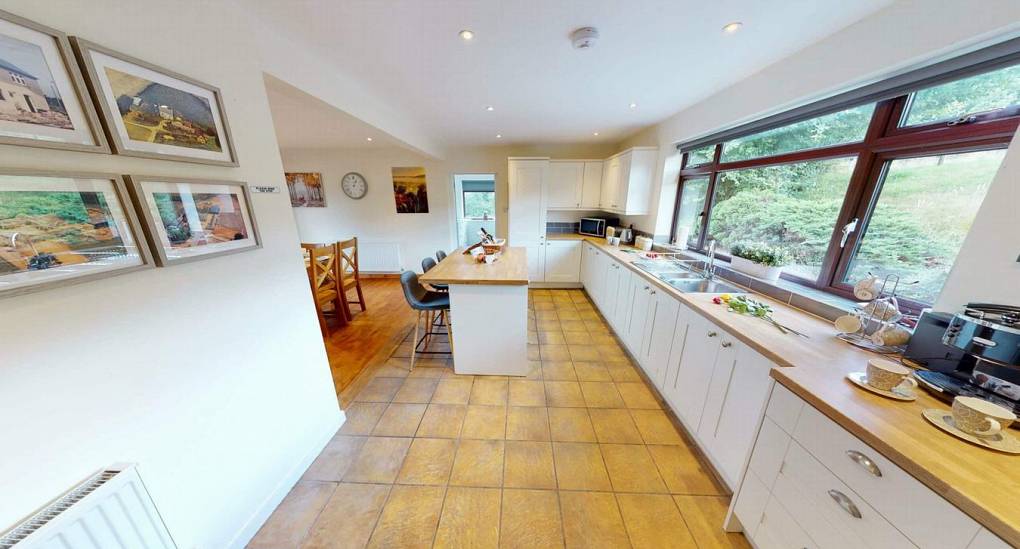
<point>733,27</point>
<point>368,139</point>
<point>584,38</point>
<point>633,105</point>
<point>466,35</point>
<point>490,108</point>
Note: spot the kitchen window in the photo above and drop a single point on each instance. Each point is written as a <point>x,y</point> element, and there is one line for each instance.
<point>479,204</point>
<point>886,187</point>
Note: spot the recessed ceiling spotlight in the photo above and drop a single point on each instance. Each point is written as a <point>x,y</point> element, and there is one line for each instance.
<point>633,105</point>
<point>499,136</point>
<point>368,139</point>
<point>466,35</point>
<point>490,108</point>
<point>596,134</point>
<point>733,27</point>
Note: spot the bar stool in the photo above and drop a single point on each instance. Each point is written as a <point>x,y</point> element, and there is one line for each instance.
<point>426,265</point>
<point>424,301</point>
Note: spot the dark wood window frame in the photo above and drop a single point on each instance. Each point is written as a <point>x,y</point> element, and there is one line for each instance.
<point>884,141</point>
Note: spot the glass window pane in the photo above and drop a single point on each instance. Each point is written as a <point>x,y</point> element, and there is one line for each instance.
<point>923,212</point>
<point>793,206</point>
<point>838,128</point>
<point>704,155</point>
<point>692,205</point>
<point>479,205</point>
<point>984,92</point>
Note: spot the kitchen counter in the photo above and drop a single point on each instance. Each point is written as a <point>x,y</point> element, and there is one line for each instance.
<point>980,482</point>
<point>511,269</point>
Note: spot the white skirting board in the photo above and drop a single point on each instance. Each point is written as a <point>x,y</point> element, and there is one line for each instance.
<point>490,329</point>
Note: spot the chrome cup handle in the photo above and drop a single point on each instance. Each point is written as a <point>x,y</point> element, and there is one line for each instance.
<point>844,502</point>
<point>864,461</point>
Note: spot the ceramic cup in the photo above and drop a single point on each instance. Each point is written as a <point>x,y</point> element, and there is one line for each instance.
<point>885,375</point>
<point>847,324</point>
<point>980,417</point>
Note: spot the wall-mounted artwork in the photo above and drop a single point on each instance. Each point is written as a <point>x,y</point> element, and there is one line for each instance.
<point>306,190</point>
<point>62,228</point>
<point>153,112</point>
<point>192,219</point>
<point>410,190</point>
<point>43,99</point>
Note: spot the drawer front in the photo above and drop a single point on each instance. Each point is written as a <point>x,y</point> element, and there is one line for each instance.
<point>778,530</point>
<point>924,516</point>
<point>784,408</point>
<point>828,510</point>
<point>769,450</point>
<point>751,502</point>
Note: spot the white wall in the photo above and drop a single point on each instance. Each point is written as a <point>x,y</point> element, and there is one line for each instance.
<point>211,375</point>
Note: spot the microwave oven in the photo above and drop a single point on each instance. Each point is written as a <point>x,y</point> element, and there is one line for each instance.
<point>592,226</point>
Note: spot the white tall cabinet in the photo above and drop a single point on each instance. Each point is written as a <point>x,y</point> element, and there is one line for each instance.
<point>627,181</point>
<point>526,214</point>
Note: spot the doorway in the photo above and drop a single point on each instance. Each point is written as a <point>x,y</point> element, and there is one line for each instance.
<point>476,206</point>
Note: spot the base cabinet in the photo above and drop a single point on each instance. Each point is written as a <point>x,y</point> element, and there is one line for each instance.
<point>562,261</point>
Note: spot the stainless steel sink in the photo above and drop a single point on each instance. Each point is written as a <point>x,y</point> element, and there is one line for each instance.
<point>669,278</point>
<point>703,286</point>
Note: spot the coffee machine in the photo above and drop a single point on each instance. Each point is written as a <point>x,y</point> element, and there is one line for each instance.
<point>973,353</point>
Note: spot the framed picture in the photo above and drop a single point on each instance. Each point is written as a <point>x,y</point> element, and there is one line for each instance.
<point>306,190</point>
<point>153,112</point>
<point>194,219</point>
<point>43,99</point>
<point>410,190</point>
<point>58,228</point>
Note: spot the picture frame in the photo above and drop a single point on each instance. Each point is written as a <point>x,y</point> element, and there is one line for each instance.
<point>82,225</point>
<point>170,207</point>
<point>44,101</point>
<point>306,189</point>
<point>152,112</point>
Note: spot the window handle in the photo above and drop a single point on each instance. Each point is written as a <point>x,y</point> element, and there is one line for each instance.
<point>847,229</point>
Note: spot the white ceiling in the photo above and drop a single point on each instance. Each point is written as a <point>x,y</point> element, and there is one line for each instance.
<point>663,55</point>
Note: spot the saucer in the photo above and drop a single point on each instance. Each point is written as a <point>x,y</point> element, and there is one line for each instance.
<point>1002,442</point>
<point>860,379</point>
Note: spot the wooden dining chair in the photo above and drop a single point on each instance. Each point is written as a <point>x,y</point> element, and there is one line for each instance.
<point>350,276</point>
<point>324,279</point>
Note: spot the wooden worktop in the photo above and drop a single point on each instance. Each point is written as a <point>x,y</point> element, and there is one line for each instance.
<point>980,482</point>
<point>510,270</point>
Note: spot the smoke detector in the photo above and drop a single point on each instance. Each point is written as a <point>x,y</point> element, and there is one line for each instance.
<point>584,38</point>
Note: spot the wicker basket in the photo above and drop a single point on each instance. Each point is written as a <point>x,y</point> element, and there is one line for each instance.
<point>496,247</point>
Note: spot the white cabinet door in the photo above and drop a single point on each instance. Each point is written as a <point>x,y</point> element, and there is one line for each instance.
<point>622,183</point>
<point>748,390</point>
<point>563,261</point>
<point>610,182</point>
<point>591,188</point>
<point>624,298</point>
<point>660,327</point>
<point>566,181</point>
<point>637,322</point>
<point>722,375</point>
<point>586,260</point>
<point>695,370</point>
<point>637,174</point>
<point>610,288</point>
<point>526,214</point>
<point>676,352</point>
<point>536,262</point>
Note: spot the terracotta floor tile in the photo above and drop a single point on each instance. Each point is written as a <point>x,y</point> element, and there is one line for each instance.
<point>349,517</point>
<point>591,371</point>
<point>704,516</point>
<point>557,353</point>
<point>430,372</point>
<point>682,471</point>
<point>428,461</point>
<point>603,338</point>
<point>533,349</point>
<point>530,519</point>
<point>391,370</point>
<point>399,420</point>
<point>529,465</point>
<point>579,466</point>
<point>584,353</point>
<point>334,459</point>
<point>568,314</point>
<point>489,392</point>
<point>601,394</point>
<point>534,370</point>
<point>442,421</point>
<point>547,325</point>
<point>526,393</point>
<point>563,394</point>
<point>576,338</point>
<point>592,519</point>
<point>558,370</point>
<point>478,463</point>
<point>527,423</point>
<point>610,352</point>
<point>544,305</point>
<point>551,338</point>
<point>637,395</point>
<point>452,390</point>
<point>379,389</point>
<point>290,523</point>
<point>379,460</point>
<point>623,372</point>
<point>631,469</point>
<point>571,425</point>
<point>416,390</point>
<point>614,426</point>
<point>470,518</point>
<point>410,517</point>
<point>655,427</point>
<point>361,418</point>
<point>574,326</point>
<point>546,314</point>
<point>653,522</point>
<point>484,422</point>
<point>595,326</point>
<point>532,337</point>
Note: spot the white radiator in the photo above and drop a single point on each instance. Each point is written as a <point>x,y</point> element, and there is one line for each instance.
<point>110,510</point>
<point>379,257</point>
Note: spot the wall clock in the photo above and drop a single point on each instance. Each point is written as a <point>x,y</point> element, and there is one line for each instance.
<point>354,185</point>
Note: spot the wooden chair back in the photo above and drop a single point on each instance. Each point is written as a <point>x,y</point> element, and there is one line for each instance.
<point>348,258</point>
<point>323,271</point>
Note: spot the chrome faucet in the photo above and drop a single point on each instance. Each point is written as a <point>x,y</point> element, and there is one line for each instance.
<point>710,271</point>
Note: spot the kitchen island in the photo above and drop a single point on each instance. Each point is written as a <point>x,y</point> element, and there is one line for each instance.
<point>488,311</point>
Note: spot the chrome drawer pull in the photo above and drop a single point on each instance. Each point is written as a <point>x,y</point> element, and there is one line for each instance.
<point>712,334</point>
<point>864,461</point>
<point>726,344</point>
<point>845,503</point>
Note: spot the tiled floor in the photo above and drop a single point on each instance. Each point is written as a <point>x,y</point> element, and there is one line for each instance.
<point>579,453</point>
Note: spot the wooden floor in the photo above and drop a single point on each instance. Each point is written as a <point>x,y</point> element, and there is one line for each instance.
<point>580,453</point>
<point>372,335</point>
